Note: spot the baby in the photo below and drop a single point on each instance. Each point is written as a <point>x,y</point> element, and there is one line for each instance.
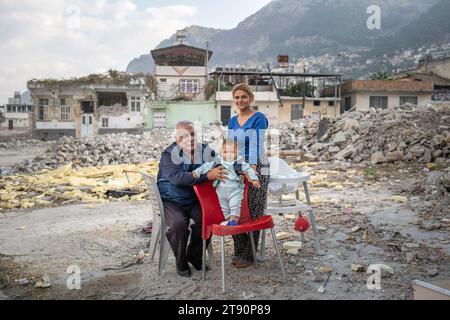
<point>231,191</point>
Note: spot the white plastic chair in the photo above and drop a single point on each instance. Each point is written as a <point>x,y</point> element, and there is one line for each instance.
<point>159,227</point>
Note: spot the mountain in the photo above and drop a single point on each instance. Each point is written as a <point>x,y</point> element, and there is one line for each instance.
<point>313,28</point>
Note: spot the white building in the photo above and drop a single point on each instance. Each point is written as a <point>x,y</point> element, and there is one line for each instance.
<point>181,72</point>
<point>17,114</point>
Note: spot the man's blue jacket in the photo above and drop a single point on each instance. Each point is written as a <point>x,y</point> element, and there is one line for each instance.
<point>175,179</point>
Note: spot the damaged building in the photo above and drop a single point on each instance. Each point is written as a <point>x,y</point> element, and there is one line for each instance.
<point>97,104</point>
<point>16,116</point>
<point>283,96</point>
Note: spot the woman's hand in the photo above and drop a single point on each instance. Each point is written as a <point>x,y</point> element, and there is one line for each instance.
<point>219,173</point>
<point>256,184</point>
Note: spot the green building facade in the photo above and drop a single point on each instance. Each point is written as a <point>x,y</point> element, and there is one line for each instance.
<point>168,113</point>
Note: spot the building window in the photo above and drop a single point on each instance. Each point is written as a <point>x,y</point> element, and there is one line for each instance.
<point>225,114</point>
<point>135,104</point>
<point>30,109</point>
<point>163,80</point>
<point>62,102</point>
<point>409,99</point>
<point>189,86</point>
<point>8,109</point>
<point>331,103</point>
<point>317,103</point>
<point>348,103</point>
<point>43,109</point>
<point>315,116</point>
<point>105,122</point>
<point>379,102</point>
<point>296,111</point>
<point>65,113</point>
<point>256,108</point>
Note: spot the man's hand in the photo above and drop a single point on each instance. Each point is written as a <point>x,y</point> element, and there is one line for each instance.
<point>219,173</point>
<point>255,169</point>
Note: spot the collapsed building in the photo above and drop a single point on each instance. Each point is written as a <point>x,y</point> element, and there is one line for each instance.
<point>97,104</point>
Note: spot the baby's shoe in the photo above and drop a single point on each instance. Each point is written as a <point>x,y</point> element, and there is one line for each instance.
<point>232,223</point>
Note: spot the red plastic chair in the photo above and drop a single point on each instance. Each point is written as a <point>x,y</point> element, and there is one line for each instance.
<point>213,216</point>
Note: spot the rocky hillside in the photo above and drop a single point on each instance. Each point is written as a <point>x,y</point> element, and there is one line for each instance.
<point>303,28</point>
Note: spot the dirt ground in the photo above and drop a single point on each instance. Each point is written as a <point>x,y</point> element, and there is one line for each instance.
<point>102,240</point>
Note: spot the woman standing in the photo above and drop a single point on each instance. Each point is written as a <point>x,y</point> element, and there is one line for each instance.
<point>248,129</point>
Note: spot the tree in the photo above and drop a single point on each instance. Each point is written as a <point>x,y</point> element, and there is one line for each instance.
<point>298,89</point>
<point>381,75</point>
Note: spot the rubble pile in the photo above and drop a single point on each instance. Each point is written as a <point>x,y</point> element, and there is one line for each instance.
<point>99,151</point>
<point>114,149</point>
<point>434,190</point>
<point>18,144</point>
<point>116,110</point>
<point>404,134</point>
<point>66,185</point>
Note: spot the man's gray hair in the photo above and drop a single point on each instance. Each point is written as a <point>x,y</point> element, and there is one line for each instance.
<point>184,123</point>
<point>181,125</point>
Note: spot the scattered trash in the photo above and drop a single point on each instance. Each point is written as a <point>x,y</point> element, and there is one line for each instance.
<point>399,199</point>
<point>45,283</point>
<point>249,296</point>
<point>290,216</point>
<point>23,282</point>
<point>347,211</point>
<point>283,236</point>
<point>358,268</point>
<point>138,259</point>
<point>321,289</point>
<point>292,245</point>
<point>149,228</point>
<point>325,270</point>
<point>432,272</point>
<point>356,228</point>
<point>364,236</point>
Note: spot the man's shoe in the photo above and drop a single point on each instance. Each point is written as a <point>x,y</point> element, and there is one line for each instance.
<point>184,273</point>
<point>198,267</point>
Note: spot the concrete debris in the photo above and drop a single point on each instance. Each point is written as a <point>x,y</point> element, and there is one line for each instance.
<point>113,149</point>
<point>407,133</point>
<point>432,272</point>
<point>67,185</point>
<point>116,110</point>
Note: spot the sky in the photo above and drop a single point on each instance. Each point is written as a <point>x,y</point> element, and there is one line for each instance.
<point>71,38</point>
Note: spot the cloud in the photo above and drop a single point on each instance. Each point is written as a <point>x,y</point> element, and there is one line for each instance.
<point>66,38</point>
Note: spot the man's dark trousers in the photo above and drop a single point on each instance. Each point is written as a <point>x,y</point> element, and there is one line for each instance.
<point>178,220</point>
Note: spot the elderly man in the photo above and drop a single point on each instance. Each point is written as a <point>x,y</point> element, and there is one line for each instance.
<point>175,184</point>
